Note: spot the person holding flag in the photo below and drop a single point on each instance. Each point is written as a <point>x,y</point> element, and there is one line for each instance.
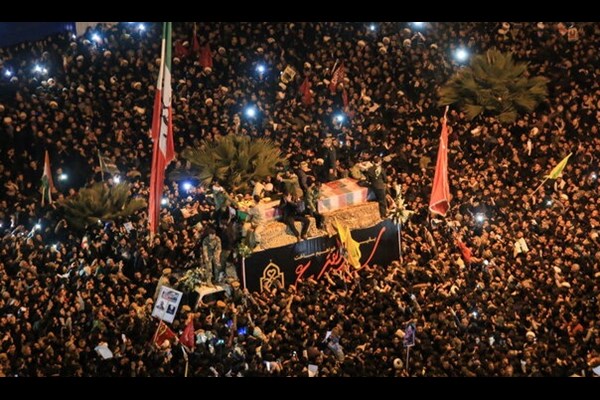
<point>47,182</point>
<point>555,173</point>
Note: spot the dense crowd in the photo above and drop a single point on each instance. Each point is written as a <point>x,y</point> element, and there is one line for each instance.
<point>498,312</point>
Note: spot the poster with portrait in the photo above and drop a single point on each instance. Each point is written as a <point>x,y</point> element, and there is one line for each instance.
<point>166,304</point>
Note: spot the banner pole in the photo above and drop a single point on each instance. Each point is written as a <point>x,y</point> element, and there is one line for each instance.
<point>407,352</point>
<point>244,271</point>
<point>400,240</point>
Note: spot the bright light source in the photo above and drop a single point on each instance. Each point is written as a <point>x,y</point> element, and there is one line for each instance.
<point>0,224</point>
<point>372,27</point>
<point>63,177</point>
<point>339,118</point>
<point>54,246</point>
<point>418,24</point>
<point>117,179</point>
<point>37,68</point>
<point>461,54</point>
<point>37,227</point>
<point>44,70</point>
<point>486,262</point>
<point>594,176</point>
<point>480,217</point>
<point>96,38</point>
<point>7,73</point>
<point>187,186</point>
<point>141,27</point>
<point>260,68</point>
<point>474,314</point>
<point>251,112</point>
<point>549,203</point>
<point>73,36</point>
<point>164,201</point>
<point>100,222</point>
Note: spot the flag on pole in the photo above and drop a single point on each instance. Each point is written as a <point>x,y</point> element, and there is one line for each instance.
<point>106,165</point>
<point>196,43</point>
<point>188,338</point>
<point>440,192</point>
<point>307,97</point>
<point>206,60</point>
<point>338,75</point>
<point>47,183</point>
<point>163,332</point>
<point>351,246</point>
<point>162,130</point>
<point>555,173</point>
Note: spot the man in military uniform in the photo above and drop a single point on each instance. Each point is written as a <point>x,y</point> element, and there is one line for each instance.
<point>211,256</point>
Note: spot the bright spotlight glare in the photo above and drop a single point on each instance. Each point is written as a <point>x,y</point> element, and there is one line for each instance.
<point>549,202</point>
<point>96,37</point>
<point>461,55</point>
<point>594,176</point>
<point>251,112</point>
<point>37,227</point>
<point>187,186</point>
<point>372,27</point>
<point>7,73</point>
<point>117,179</point>
<point>37,68</point>
<point>142,27</point>
<point>418,24</point>
<point>73,36</point>
<point>62,177</point>
<point>261,68</point>
<point>339,118</point>
<point>164,201</point>
<point>479,217</point>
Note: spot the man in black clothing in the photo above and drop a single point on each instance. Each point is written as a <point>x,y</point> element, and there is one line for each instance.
<point>329,158</point>
<point>377,178</point>
<point>291,212</point>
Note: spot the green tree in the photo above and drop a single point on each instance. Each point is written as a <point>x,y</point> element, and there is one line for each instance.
<point>234,160</point>
<point>494,84</point>
<point>100,202</point>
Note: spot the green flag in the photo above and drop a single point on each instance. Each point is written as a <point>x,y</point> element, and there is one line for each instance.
<point>555,173</point>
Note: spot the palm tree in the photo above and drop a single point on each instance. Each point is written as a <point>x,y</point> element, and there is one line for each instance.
<point>494,84</point>
<point>234,160</point>
<point>100,202</point>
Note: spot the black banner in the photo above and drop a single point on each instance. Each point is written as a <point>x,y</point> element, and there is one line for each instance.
<point>316,257</point>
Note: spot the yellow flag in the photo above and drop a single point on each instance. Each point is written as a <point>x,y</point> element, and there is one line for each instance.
<point>352,246</point>
<point>555,173</point>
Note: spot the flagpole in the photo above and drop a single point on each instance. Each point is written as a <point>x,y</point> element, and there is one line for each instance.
<point>244,271</point>
<point>100,162</point>
<point>407,352</point>
<point>400,240</point>
<point>538,188</point>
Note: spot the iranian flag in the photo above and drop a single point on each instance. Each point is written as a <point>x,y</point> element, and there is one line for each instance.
<point>162,130</point>
<point>47,183</point>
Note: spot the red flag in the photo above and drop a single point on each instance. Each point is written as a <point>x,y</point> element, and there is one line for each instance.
<point>187,338</point>
<point>465,251</point>
<point>440,192</point>
<point>307,97</point>
<point>338,75</point>
<point>162,131</point>
<point>180,50</point>
<point>162,333</point>
<point>205,56</point>
<point>345,99</point>
<point>196,43</point>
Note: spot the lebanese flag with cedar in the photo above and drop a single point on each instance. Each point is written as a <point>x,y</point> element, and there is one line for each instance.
<point>162,131</point>
<point>440,192</point>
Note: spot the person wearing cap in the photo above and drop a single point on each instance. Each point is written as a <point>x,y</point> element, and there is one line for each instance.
<point>377,178</point>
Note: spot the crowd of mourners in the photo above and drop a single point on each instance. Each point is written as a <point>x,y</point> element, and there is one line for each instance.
<point>483,301</point>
